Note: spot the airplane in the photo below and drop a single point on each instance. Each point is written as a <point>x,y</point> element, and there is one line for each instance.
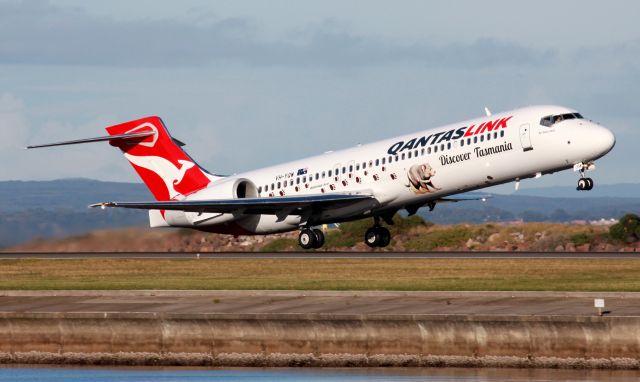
<point>374,180</point>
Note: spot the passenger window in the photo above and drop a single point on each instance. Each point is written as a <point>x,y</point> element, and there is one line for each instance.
<point>377,162</point>
<point>482,138</point>
<point>468,141</point>
<point>323,174</point>
<point>489,137</point>
<point>329,173</point>
<point>384,160</point>
<point>495,135</point>
<point>462,143</point>
<point>351,168</point>
<point>449,145</point>
<point>475,139</point>
<point>442,147</point>
<point>317,176</point>
<point>297,180</point>
<point>272,187</point>
<point>502,133</point>
<point>390,159</point>
<point>358,167</point>
<point>422,152</point>
<point>402,156</point>
<point>429,150</point>
<point>435,148</point>
<point>364,165</point>
<point>344,170</point>
<point>409,155</point>
<point>260,190</point>
<point>397,158</point>
<point>279,185</point>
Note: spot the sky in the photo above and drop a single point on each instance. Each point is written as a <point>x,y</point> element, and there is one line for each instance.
<point>248,84</point>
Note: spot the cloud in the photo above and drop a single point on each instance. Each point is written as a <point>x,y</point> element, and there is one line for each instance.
<point>37,32</point>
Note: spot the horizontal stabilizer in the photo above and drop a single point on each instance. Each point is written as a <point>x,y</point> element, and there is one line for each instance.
<point>114,138</point>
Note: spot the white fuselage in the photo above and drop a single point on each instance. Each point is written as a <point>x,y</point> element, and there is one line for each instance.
<point>413,169</point>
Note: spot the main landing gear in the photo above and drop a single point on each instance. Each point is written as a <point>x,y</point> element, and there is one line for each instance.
<point>311,238</point>
<point>377,236</point>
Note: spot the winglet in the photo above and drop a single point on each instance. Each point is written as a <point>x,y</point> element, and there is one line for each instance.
<point>102,205</point>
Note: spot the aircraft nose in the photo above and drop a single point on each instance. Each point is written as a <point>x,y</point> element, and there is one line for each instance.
<point>605,140</point>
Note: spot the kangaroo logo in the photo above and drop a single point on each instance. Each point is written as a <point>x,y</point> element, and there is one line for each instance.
<point>171,175</point>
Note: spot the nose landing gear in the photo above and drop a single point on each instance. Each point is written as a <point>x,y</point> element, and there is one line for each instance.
<point>584,183</point>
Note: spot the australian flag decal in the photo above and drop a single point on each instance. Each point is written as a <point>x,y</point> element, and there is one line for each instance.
<point>302,171</point>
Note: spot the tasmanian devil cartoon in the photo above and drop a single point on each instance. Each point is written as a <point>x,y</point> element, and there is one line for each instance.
<point>420,178</point>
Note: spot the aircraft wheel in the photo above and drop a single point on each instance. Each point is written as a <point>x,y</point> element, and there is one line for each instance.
<point>319,238</point>
<point>582,184</point>
<point>385,237</point>
<point>307,239</point>
<point>372,237</point>
<point>589,184</point>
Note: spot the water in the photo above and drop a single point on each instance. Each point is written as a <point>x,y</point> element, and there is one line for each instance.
<point>104,374</point>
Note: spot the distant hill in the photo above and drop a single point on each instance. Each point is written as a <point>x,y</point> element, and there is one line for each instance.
<point>73,194</point>
<point>622,190</point>
<point>58,208</point>
<point>533,209</point>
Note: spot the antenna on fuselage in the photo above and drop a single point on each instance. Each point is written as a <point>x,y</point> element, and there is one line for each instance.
<point>487,111</point>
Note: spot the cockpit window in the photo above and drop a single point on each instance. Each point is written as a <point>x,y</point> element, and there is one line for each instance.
<point>551,120</point>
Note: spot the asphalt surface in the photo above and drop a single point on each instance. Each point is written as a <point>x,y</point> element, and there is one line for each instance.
<point>306,302</point>
<point>320,255</point>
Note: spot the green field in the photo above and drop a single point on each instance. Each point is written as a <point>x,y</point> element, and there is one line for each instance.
<point>325,274</point>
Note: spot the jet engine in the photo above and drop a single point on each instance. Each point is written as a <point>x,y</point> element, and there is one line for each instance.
<point>229,188</point>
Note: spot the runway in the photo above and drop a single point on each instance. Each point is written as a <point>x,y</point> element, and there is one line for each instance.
<point>317,255</point>
<point>334,303</point>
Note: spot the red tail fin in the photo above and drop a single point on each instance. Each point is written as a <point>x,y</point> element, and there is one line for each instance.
<point>163,166</point>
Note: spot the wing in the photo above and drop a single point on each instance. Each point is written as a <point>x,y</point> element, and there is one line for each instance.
<point>464,198</point>
<point>413,208</point>
<point>269,206</point>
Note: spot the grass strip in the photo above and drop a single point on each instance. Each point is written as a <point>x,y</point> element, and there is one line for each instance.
<point>324,274</point>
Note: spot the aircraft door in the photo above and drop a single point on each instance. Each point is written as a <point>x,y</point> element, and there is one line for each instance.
<point>525,137</point>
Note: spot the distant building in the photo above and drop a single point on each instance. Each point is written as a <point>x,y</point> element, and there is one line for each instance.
<point>604,222</point>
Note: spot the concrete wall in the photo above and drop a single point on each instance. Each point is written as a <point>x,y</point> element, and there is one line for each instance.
<point>523,337</point>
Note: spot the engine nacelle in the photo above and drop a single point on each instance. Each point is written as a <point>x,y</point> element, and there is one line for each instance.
<point>234,188</point>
